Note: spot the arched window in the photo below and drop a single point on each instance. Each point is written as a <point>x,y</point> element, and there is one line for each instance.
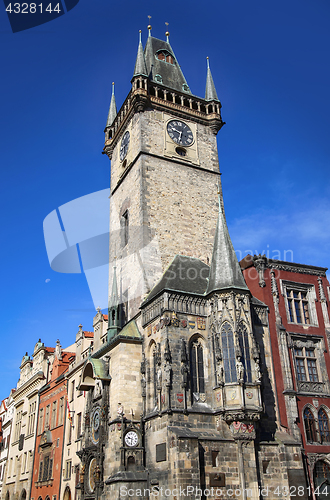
<point>228,350</point>
<point>309,425</point>
<point>197,367</point>
<point>324,426</point>
<point>243,341</point>
<point>322,479</point>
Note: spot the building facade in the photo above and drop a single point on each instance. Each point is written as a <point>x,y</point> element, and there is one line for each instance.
<point>48,451</point>
<point>34,373</point>
<point>6,419</point>
<point>298,300</point>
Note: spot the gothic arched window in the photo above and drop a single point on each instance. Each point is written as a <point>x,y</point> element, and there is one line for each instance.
<point>243,341</point>
<point>323,426</point>
<point>309,425</point>
<point>228,350</point>
<point>197,367</point>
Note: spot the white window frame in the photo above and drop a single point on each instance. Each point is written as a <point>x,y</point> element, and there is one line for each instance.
<point>307,288</point>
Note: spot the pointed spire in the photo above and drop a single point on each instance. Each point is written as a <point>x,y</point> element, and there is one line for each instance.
<point>113,310</point>
<point>210,92</point>
<point>140,64</point>
<point>113,299</point>
<point>113,108</point>
<point>225,271</point>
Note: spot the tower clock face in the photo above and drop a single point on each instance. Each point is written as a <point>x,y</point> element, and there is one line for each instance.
<point>124,146</point>
<point>131,438</point>
<point>180,133</point>
<point>95,425</point>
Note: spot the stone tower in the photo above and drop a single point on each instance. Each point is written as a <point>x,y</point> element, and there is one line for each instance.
<point>181,394</point>
<point>164,166</point>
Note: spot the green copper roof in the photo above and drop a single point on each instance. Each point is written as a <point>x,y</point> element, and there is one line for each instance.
<point>167,73</point>
<point>113,108</point>
<point>140,64</point>
<point>130,331</point>
<point>210,92</point>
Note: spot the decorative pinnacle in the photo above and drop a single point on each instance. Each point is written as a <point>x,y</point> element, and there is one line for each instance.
<point>149,26</point>
<point>113,88</point>
<point>140,36</point>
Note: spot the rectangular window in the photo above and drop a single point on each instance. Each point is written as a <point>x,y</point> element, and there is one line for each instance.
<point>67,472</point>
<point>54,414</point>
<point>124,222</point>
<point>69,432</point>
<point>24,463</point>
<point>41,421</point>
<point>299,302</point>
<point>78,425</point>
<point>298,306</point>
<point>61,412</point>
<point>72,390</point>
<point>31,418</point>
<point>47,417</point>
<point>18,425</point>
<point>306,364</point>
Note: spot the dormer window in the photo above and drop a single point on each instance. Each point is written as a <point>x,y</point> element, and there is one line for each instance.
<point>185,88</point>
<point>164,55</point>
<point>159,79</point>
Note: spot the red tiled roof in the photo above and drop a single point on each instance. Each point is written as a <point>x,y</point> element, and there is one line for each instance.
<point>89,335</point>
<point>105,316</point>
<point>50,349</point>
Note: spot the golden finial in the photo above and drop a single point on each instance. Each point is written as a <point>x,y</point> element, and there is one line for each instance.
<point>167,34</point>
<point>149,26</point>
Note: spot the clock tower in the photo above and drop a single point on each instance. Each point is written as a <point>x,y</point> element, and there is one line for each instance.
<point>164,165</point>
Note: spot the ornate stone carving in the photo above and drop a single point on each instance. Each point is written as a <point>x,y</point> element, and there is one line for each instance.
<point>260,265</point>
<point>313,387</point>
<point>321,290</point>
<point>240,369</point>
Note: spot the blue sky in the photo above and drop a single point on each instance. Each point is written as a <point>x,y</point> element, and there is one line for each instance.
<point>270,65</point>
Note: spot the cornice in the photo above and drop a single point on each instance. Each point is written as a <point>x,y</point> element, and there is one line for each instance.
<point>28,386</point>
<point>296,268</point>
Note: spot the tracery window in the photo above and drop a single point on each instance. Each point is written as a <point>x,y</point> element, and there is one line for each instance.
<point>323,426</point>
<point>197,367</point>
<point>309,425</point>
<point>228,350</point>
<point>243,341</point>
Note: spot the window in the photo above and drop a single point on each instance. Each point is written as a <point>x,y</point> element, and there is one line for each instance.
<point>164,55</point>
<point>306,364</point>
<point>18,425</point>
<point>32,416</point>
<point>47,417</point>
<point>46,468</point>
<point>41,421</point>
<point>185,87</point>
<point>300,302</point>
<point>61,412</point>
<point>124,223</point>
<point>309,425</point>
<point>243,341</point>
<point>54,414</point>
<point>197,367</point>
<point>323,426</point>
<point>72,390</point>
<point>228,349</point>
<point>159,79</point>
<point>67,470</point>
<point>298,306</point>
<point>69,432</point>
<point>23,469</point>
<point>78,425</point>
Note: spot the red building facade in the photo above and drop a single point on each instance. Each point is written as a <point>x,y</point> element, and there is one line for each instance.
<point>298,300</point>
<point>47,464</point>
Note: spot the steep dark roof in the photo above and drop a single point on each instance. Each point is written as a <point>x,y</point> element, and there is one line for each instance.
<point>225,271</point>
<point>171,74</point>
<point>210,92</point>
<point>184,274</point>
